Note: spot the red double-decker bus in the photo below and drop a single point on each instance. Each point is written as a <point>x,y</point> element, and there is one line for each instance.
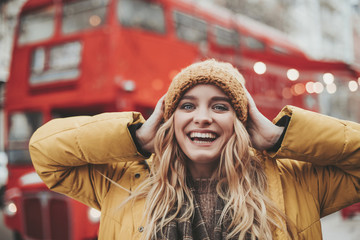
<point>92,56</point>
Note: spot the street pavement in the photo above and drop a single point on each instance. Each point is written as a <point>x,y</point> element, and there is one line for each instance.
<point>5,234</point>
<point>334,227</point>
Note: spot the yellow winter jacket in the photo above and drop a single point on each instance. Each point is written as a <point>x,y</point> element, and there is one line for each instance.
<point>315,172</point>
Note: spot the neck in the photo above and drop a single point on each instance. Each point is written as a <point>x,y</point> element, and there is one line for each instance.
<point>200,170</point>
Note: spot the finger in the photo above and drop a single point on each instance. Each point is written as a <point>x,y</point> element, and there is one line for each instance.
<point>160,104</point>
<point>157,116</point>
<point>251,102</point>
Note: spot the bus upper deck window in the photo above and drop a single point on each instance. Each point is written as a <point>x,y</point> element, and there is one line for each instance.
<point>226,37</point>
<point>84,14</point>
<point>55,63</point>
<point>254,44</point>
<point>141,14</point>
<point>22,126</point>
<point>280,50</point>
<point>36,26</point>
<point>190,28</point>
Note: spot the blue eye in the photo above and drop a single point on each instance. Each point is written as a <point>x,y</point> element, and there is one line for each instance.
<point>187,106</point>
<point>221,107</point>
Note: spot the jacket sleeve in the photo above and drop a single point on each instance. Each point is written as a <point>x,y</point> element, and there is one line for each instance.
<point>329,150</point>
<point>72,155</point>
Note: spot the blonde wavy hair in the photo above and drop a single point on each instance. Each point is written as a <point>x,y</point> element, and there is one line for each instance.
<point>241,183</point>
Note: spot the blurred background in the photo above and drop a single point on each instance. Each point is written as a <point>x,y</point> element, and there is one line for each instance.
<point>62,58</point>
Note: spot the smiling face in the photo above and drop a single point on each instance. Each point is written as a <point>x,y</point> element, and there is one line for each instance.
<point>204,122</point>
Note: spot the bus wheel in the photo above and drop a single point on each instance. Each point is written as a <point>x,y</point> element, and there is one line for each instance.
<point>17,236</point>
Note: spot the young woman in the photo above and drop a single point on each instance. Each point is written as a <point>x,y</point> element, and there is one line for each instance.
<point>205,180</point>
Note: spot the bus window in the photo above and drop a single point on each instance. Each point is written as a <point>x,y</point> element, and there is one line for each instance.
<point>254,43</point>
<point>85,14</point>
<point>36,26</point>
<point>22,126</point>
<point>190,28</point>
<point>58,63</point>
<point>280,50</point>
<point>141,14</point>
<point>226,37</point>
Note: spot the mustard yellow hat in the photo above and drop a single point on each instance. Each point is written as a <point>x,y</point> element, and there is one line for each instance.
<point>220,74</point>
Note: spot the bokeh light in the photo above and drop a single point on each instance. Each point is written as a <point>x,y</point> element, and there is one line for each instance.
<point>260,68</point>
<point>331,88</point>
<point>353,86</point>
<point>293,74</point>
<point>286,93</point>
<point>299,89</point>
<point>328,78</point>
<point>309,87</point>
<point>94,20</point>
<point>318,87</point>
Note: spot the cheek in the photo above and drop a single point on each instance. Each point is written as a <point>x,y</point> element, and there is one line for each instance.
<point>177,134</point>
<point>229,133</point>
<point>228,127</point>
<point>178,126</point>
<point>181,119</point>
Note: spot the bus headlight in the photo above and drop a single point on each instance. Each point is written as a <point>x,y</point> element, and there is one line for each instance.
<point>10,209</point>
<point>94,215</point>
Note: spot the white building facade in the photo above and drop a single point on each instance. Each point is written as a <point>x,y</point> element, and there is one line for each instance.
<point>324,28</point>
<point>330,30</point>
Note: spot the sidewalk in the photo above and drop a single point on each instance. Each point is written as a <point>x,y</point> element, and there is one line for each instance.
<point>335,228</point>
<point>5,234</point>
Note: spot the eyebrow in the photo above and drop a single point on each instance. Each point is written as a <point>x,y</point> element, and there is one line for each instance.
<point>216,98</point>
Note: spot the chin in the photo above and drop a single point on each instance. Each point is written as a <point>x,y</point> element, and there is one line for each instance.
<point>204,159</point>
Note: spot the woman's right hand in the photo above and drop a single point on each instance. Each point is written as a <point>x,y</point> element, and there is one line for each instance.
<point>145,135</point>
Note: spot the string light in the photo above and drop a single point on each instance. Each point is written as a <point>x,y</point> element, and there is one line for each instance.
<point>94,20</point>
<point>353,86</point>
<point>260,68</point>
<point>318,87</point>
<point>293,74</point>
<point>309,86</point>
<point>328,78</point>
<point>331,88</point>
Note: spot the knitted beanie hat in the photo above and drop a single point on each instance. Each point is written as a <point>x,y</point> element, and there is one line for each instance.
<point>220,74</point>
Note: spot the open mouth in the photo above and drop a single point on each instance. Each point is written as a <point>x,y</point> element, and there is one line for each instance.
<point>198,137</point>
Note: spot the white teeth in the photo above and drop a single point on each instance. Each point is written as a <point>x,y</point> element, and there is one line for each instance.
<point>201,141</point>
<point>202,135</point>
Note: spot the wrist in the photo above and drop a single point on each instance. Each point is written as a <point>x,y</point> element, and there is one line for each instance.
<point>282,125</point>
<point>138,139</point>
<point>275,142</point>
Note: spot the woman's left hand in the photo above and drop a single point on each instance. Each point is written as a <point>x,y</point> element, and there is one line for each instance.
<point>263,133</point>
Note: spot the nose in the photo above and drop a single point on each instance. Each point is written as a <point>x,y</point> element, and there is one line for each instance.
<point>203,117</point>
